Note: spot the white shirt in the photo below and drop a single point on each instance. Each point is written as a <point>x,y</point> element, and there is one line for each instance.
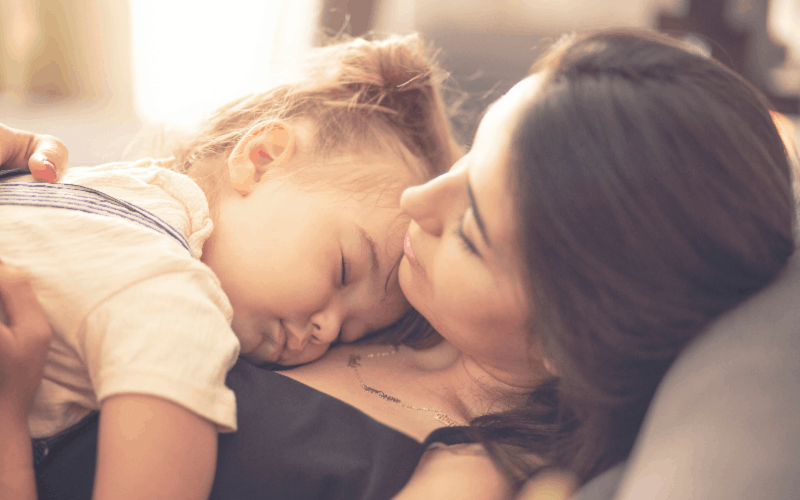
<point>131,309</point>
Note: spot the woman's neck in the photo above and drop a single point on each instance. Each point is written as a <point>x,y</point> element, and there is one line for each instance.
<point>440,380</point>
<point>477,387</point>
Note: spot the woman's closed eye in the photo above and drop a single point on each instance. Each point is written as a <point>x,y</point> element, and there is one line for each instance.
<point>465,242</point>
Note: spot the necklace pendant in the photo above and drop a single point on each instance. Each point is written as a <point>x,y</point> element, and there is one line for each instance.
<point>354,361</point>
<point>441,417</point>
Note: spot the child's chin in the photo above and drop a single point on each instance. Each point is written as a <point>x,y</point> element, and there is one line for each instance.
<point>277,366</point>
<point>271,366</point>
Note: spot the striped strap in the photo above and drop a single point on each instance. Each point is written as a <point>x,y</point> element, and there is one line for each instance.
<point>84,199</point>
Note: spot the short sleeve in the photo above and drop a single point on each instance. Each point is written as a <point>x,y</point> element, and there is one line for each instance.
<point>167,336</point>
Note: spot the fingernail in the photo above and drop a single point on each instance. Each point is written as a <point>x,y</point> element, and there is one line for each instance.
<point>50,174</point>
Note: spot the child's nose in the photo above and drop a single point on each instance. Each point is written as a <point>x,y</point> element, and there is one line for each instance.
<point>428,203</point>
<point>325,326</point>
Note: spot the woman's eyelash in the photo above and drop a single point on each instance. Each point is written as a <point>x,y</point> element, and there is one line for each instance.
<point>465,243</point>
<point>344,271</point>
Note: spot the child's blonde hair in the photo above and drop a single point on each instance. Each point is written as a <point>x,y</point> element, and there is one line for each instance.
<point>357,93</point>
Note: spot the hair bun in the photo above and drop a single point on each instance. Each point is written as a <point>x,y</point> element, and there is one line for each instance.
<point>355,90</point>
<point>387,74</point>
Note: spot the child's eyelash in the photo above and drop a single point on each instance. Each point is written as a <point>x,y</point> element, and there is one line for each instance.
<point>344,271</point>
<point>465,243</point>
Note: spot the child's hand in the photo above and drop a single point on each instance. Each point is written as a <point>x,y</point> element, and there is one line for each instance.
<point>45,155</point>
<point>24,338</point>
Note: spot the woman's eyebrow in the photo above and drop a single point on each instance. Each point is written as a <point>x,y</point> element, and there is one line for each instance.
<point>477,215</point>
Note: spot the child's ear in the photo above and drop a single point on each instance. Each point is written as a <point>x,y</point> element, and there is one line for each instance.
<point>265,146</point>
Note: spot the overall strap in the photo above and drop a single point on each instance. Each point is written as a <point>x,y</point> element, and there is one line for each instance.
<point>14,172</point>
<point>82,199</point>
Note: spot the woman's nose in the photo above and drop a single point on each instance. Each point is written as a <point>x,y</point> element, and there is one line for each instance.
<point>428,204</point>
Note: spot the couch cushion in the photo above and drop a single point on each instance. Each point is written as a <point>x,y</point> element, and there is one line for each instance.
<point>725,422</point>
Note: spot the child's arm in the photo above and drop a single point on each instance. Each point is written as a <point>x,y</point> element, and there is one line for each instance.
<point>24,337</point>
<point>19,149</point>
<point>158,357</point>
<point>152,448</point>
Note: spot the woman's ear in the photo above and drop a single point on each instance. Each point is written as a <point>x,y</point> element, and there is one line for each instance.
<point>265,146</point>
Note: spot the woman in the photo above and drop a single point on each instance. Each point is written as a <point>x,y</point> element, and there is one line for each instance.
<point>612,205</point>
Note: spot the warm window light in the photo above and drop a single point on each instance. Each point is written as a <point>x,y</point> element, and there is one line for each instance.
<point>191,57</point>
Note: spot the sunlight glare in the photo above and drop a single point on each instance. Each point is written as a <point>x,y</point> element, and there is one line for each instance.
<point>191,57</point>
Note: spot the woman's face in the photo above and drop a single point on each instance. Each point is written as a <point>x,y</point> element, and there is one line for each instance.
<point>463,269</point>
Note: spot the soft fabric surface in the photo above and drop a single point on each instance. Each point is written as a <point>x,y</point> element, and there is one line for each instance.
<point>725,423</point>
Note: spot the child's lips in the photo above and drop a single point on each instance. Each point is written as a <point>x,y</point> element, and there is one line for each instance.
<point>279,341</point>
<point>271,346</point>
<point>261,340</point>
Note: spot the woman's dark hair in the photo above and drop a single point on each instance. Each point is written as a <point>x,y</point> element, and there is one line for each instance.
<point>652,193</point>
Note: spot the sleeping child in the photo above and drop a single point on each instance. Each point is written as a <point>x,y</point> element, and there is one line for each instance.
<point>271,233</point>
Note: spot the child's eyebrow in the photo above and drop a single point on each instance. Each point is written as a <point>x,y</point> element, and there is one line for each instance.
<point>367,241</point>
<point>389,276</point>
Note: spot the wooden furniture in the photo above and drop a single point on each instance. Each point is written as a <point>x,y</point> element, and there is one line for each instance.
<point>746,48</point>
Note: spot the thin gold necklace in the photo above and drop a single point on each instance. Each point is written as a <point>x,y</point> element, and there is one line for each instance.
<point>355,361</point>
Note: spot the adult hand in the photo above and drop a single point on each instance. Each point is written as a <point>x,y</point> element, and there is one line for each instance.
<point>45,155</point>
<point>24,338</point>
<point>550,485</point>
<point>463,471</point>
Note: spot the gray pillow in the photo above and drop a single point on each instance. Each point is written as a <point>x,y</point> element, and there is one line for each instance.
<point>725,422</point>
<point>603,486</point>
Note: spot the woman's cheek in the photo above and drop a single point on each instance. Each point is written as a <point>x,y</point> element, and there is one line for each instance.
<point>456,269</point>
<point>410,285</point>
<point>436,289</point>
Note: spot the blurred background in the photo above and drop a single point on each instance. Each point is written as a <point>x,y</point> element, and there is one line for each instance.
<point>94,73</point>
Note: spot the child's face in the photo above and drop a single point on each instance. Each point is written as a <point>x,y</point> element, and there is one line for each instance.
<point>304,268</point>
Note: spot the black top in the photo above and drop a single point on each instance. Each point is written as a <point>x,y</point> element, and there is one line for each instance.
<point>293,442</point>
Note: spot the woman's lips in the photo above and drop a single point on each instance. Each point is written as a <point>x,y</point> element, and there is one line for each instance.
<point>409,253</point>
<point>407,245</point>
